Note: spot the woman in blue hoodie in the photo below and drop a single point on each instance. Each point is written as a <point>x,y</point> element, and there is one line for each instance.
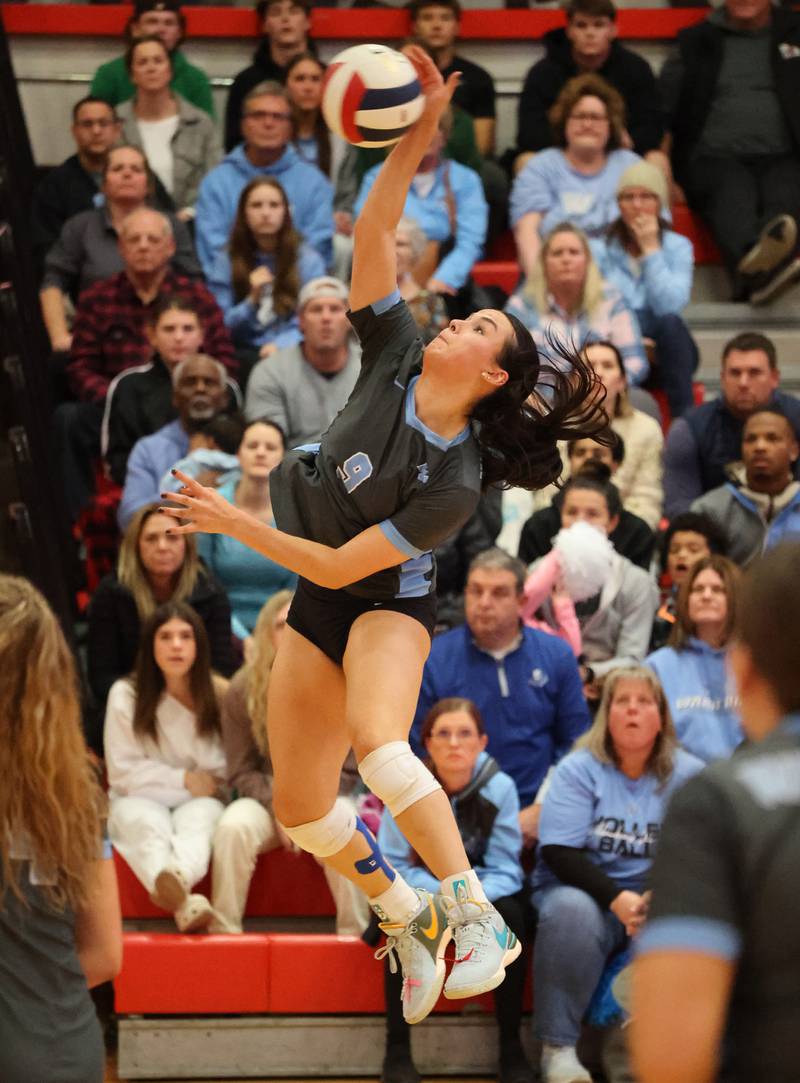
<point>486,807</point>
<point>692,668</point>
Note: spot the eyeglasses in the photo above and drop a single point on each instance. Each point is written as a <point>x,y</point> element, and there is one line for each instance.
<point>590,118</point>
<point>444,736</point>
<point>267,114</point>
<point>87,124</point>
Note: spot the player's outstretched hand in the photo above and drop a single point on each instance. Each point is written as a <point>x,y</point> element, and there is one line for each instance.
<point>437,92</point>
<point>202,510</point>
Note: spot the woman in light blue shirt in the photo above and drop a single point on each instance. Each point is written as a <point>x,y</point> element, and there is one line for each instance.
<point>653,267</point>
<point>597,834</point>
<point>248,578</point>
<point>256,280</point>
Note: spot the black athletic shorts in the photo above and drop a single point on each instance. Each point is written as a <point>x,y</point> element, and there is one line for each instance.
<point>325,617</point>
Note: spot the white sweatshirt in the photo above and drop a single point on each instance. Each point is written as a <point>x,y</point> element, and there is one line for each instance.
<point>142,768</point>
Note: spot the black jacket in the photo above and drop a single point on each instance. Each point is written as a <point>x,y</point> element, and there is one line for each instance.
<point>696,69</point>
<point>625,70</point>
<point>633,538</point>
<point>262,69</point>
<point>113,631</point>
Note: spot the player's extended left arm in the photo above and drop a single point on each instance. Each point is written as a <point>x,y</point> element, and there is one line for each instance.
<point>208,512</point>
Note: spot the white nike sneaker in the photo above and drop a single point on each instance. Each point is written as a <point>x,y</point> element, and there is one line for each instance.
<point>485,946</point>
<point>420,946</point>
<point>560,1064</point>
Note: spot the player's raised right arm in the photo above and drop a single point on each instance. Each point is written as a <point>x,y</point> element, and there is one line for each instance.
<point>374,263</point>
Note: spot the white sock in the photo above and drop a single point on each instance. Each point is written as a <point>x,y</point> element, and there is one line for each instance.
<point>464,884</point>
<point>398,903</point>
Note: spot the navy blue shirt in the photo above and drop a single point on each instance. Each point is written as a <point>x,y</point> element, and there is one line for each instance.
<point>377,463</point>
<point>532,701</point>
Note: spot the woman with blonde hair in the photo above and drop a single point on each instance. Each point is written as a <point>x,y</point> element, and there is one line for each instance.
<point>693,668</point>
<point>153,567</point>
<point>248,826</point>
<point>597,834</point>
<point>60,926</point>
<point>576,179</point>
<point>566,299</point>
<point>257,280</point>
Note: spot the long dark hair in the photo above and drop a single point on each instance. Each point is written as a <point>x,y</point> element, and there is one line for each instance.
<point>149,681</point>
<point>520,424</point>
<point>243,250</point>
<point>322,135</point>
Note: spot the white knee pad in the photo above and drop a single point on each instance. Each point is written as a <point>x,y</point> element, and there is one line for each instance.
<point>397,776</point>
<point>328,835</point>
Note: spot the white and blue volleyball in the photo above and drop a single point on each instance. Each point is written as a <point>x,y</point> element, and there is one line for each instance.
<point>371,96</point>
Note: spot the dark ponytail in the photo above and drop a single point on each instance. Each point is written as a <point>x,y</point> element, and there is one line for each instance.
<point>520,424</point>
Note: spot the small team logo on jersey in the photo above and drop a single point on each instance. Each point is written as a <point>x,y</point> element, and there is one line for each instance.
<point>538,678</point>
<point>423,475</point>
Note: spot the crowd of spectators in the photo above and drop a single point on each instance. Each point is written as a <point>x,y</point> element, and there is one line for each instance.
<point>195,299</point>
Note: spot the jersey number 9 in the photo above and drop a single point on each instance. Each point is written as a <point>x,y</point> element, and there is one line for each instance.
<point>354,470</point>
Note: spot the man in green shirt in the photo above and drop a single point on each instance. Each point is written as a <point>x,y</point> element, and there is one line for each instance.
<point>164,19</point>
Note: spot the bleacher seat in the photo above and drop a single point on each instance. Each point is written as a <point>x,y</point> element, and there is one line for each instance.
<point>685,221</point>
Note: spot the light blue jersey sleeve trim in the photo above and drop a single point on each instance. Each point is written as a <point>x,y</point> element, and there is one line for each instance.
<point>385,303</point>
<point>397,539</point>
<point>702,935</point>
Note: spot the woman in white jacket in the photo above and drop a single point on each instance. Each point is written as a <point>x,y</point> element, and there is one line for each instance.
<point>165,761</point>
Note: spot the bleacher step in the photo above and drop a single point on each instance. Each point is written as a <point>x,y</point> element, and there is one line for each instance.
<point>308,1046</point>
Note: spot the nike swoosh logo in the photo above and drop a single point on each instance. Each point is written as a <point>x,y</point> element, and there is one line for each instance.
<point>466,958</point>
<point>502,938</point>
<point>432,930</point>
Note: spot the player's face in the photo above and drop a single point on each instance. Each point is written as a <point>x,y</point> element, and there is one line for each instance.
<point>174,648</point>
<point>708,601</point>
<point>436,27</point>
<point>161,24</point>
<point>747,381</point>
<point>176,336</point>
<point>455,744</point>
<point>769,448</point>
<point>150,66</point>
<point>634,719</point>
<point>471,346</point>
<point>304,84</point>
<point>491,603</point>
<point>324,324</point>
<point>565,262</point>
<point>591,35</point>
<point>286,23</point>
<point>95,129</point>
<point>584,451</point>
<point>260,451</point>
<point>160,553</point>
<point>686,547</point>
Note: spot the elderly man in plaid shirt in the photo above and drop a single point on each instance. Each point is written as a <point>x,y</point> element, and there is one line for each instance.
<point>109,336</point>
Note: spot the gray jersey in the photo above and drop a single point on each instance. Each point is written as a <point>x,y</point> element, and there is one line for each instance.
<point>378,464</point>
<point>49,1031</point>
<point>726,881</point>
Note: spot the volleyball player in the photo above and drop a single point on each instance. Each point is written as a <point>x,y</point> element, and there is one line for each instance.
<point>398,471</point>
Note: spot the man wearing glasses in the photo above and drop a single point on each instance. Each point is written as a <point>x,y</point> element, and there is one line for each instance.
<point>266,148</point>
<point>72,186</point>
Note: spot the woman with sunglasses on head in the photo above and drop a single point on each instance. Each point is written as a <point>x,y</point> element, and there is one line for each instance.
<point>399,470</point>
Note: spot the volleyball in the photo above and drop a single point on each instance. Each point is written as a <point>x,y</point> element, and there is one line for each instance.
<point>371,95</point>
